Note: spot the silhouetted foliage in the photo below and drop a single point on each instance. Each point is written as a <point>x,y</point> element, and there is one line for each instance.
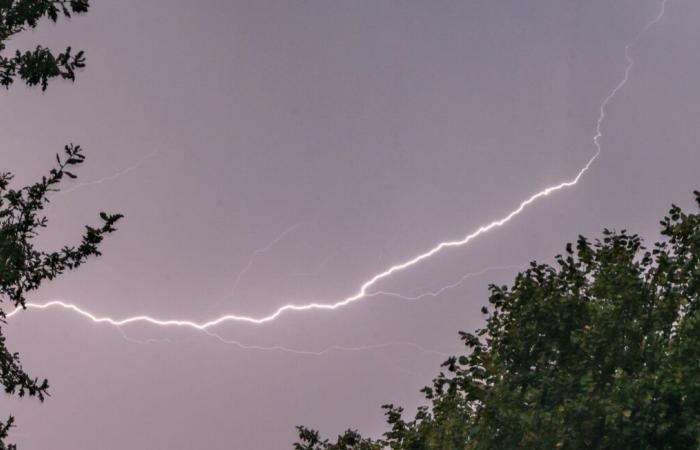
<point>37,66</point>
<point>350,440</point>
<point>23,267</point>
<point>601,351</point>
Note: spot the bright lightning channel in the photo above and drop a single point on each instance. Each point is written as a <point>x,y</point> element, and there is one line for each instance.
<point>339,348</point>
<point>364,290</point>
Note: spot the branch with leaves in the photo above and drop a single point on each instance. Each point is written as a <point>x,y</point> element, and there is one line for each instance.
<point>23,267</point>
<point>37,66</point>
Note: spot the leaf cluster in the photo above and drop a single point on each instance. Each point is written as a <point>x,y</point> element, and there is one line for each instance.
<point>37,66</point>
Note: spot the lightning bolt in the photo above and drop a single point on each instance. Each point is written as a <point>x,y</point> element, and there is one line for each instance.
<point>256,253</point>
<point>364,290</point>
<point>440,291</point>
<point>112,177</point>
<point>431,294</point>
<point>333,348</point>
<point>296,351</point>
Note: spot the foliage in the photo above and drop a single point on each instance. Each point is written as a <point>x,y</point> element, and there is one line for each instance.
<point>350,440</point>
<point>23,268</point>
<point>600,351</point>
<point>38,66</point>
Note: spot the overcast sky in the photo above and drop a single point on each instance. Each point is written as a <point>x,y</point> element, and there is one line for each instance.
<point>268,152</point>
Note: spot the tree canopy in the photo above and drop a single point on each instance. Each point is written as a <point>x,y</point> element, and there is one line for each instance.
<point>599,351</point>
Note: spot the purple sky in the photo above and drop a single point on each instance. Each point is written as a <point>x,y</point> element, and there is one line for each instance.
<point>327,140</point>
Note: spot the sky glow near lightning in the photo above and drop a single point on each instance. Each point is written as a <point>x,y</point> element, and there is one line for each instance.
<point>365,289</point>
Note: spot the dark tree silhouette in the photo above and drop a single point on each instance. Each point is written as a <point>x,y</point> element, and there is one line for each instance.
<point>601,351</point>
<point>36,66</point>
<point>22,266</point>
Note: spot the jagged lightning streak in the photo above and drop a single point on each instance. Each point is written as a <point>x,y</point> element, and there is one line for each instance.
<point>112,177</point>
<point>296,351</point>
<point>440,291</point>
<point>428,294</point>
<point>333,348</point>
<point>251,260</point>
<point>363,291</point>
<point>253,256</point>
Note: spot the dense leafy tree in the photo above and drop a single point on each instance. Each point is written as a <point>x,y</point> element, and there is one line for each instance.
<point>23,267</point>
<point>599,351</point>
